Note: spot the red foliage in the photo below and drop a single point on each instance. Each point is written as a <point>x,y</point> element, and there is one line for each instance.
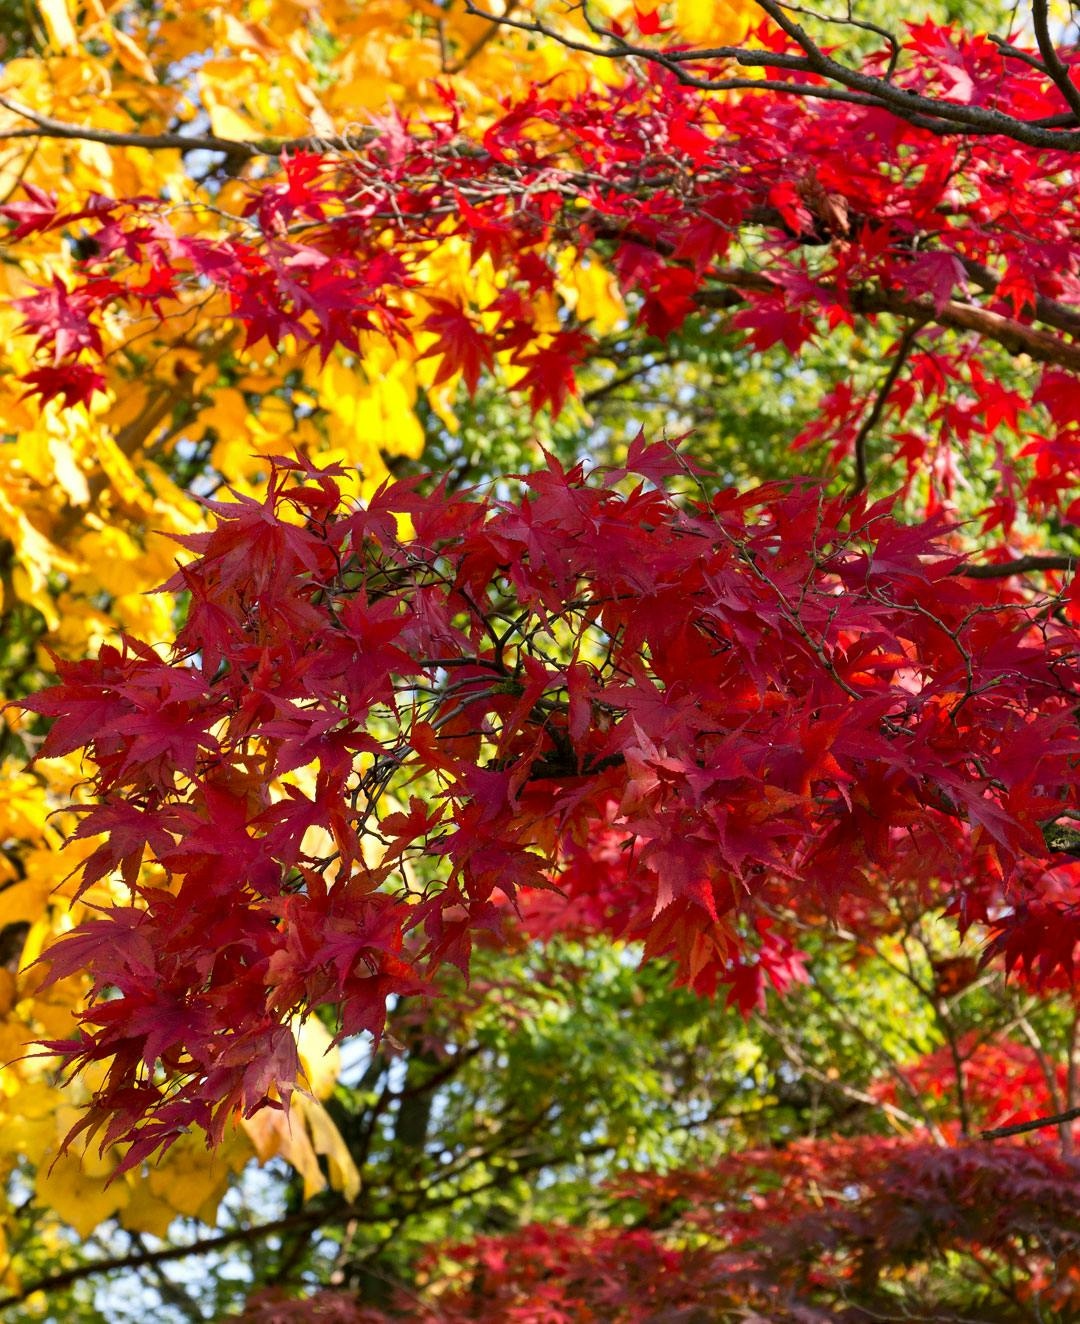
<point>677,717</point>
<point>862,213</point>
<point>772,700</point>
<point>1003,1082</point>
<point>279,1307</point>
<point>819,1231</point>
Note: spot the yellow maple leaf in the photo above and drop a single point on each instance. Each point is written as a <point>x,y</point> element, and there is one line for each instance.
<point>58,24</point>
<point>146,1212</point>
<point>80,1199</point>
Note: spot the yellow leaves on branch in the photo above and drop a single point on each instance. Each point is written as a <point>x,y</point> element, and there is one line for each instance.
<point>716,22</point>
<point>79,1188</point>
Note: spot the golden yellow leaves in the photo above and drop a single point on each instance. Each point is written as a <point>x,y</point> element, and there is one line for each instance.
<point>58,498</point>
<point>79,1187</point>
<point>589,291</point>
<point>77,1193</point>
<point>308,1130</point>
<point>251,99</point>
<point>715,22</point>
<point>58,24</point>
<point>373,410</point>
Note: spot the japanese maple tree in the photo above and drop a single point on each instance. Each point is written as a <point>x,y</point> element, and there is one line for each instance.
<point>768,699</point>
<point>633,700</point>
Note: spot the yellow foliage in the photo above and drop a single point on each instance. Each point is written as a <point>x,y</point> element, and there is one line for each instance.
<point>306,1132</point>
<point>146,1212</point>
<point>192,1179</point>
<point>58,24</point>
<point>319,1058</point>
<point>78,1197</point>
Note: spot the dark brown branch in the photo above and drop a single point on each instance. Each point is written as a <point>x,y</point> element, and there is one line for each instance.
<point>1059,74</point>
<point>903,351</point>
<point>903,101</point>
<point>1013,336</point>
<point>1037,1124</point>
<point>1022,565</point>
<point>1051,311</point>
<point>1025,57</point>
<point>930,113</point>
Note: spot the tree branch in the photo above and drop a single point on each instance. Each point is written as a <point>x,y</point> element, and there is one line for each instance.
<point>1051,311</point>
<point>903,352</point>
<point>931,113</point>
<point>839,82</point>
<point>1037,1124</point>
<point>1022,565</point>
<point>45,126</point>
<point>1013,336</point>
<point>149,1259</point>
<point>1059,74</point>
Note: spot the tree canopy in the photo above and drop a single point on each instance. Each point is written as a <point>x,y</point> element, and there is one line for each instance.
<point>584,825</point>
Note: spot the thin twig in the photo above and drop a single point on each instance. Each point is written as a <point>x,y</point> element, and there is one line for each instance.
<point>45,126</point>
<point>903,353</point>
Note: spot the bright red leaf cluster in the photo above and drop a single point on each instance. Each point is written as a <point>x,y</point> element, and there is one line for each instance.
<point>850,211</point>
<point>769,701</point>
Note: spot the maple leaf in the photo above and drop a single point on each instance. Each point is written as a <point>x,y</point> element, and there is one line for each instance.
<point>648,22</point>
<point>936,274</point>
<point>38,212</point>
<point>549,370</point>
<point>461,344</point>
<point>61,318</point>
<point>73,383</point>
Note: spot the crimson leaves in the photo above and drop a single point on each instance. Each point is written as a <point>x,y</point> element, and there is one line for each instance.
<point>384,727</point>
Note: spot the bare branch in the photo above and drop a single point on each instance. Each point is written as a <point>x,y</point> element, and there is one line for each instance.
<point>881,400</point>
<point>1022,565</point>
<point>145,1259</point>
<point>44,126</point>
<point>1037,1124</point>
<point>1058,72</point>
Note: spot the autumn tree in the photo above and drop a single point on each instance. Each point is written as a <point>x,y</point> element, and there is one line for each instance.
<point>86,495</point>
<point>765,733</point>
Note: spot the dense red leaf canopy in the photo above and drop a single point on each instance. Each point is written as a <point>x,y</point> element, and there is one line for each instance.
<point>635,702</point>
<point>796,1234</point>
<point>638,702</point>
<point>852,211</point>
<point>767,703</point>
